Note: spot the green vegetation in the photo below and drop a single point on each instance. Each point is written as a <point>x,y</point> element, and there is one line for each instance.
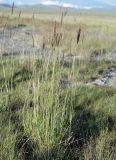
<point>47,111</point>
<point>41,120</point>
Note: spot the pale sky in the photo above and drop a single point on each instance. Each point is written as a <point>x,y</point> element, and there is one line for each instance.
<point>66,3</point>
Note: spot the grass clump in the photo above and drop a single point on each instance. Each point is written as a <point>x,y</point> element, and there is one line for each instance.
<point>46,121</point>
<point>44,113</point>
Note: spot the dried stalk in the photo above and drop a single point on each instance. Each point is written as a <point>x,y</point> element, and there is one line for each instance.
<point>78,35</point>
<point>56,37</point>
<point>33,41</point>
<point>83,37</point>
<point>33,16</point>
<point>12,8</point>
<point>62,16</point>
<point>55,28</point>
<point>4,27</point>
<point>10,32</point>
<point>43,45</point>
<point>20,14</point>
<point>2,17</point>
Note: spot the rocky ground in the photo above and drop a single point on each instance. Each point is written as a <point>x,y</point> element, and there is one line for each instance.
<point>18,40</point>
<point>108,78</point>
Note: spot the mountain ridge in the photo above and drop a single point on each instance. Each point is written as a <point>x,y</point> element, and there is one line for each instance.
<point>81,6</point>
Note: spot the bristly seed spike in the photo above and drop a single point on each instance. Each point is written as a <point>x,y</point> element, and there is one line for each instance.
<point>78,35</point>
<point>12,8</point>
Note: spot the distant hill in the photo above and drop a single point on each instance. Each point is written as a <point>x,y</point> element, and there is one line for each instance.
<point>5,5</point>
<point>52,8</point>
<point>78,4</point>
<point>56,8</point>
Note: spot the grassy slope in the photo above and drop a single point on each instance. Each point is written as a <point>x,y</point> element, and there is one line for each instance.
<point>40,120</point>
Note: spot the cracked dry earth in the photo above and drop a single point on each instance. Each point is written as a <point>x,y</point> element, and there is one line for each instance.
<point>18,40</point>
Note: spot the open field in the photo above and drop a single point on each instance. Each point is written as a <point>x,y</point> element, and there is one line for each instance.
<point>57,85</point>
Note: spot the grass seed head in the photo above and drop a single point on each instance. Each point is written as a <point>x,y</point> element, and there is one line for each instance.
<point>12,8</point>
<point>78,35</point>
<point>20,14</point>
